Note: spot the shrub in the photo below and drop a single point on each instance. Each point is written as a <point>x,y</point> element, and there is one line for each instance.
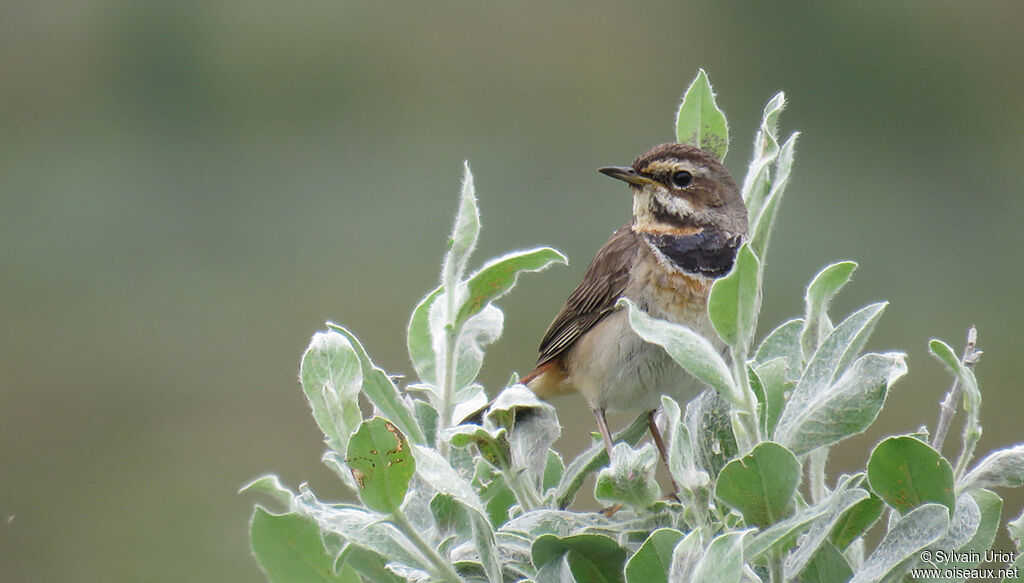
<point>443,500</point>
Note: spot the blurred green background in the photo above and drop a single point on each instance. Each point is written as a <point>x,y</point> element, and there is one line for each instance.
<point>189,189</point>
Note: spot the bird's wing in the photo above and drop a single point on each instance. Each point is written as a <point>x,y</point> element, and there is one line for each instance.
<point>603,284</point>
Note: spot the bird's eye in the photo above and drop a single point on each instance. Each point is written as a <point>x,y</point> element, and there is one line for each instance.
<point>681,179</point>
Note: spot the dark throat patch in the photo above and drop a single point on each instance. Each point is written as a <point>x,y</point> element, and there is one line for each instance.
<point>708,253</point>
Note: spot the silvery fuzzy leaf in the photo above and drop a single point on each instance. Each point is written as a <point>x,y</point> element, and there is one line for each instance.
<point>629,478</point>
<point>838,503</point>
<point>381,391</point>
<point>331,378</point>
<point>823,287</point>
<point>1002,468</point>
<point>784,342</point>
<point>766,148</point>
<point>911,533</point>
<point>688,348</point>
<point>845,408</point>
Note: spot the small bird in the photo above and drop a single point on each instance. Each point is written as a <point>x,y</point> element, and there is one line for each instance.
<point>688,223</point>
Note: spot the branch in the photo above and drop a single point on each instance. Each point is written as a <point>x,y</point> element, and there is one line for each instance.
<point>948,406</point>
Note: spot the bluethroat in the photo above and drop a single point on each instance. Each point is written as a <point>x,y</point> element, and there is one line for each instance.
<point>688,223</point>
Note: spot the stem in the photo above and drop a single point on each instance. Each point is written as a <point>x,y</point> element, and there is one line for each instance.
<point>819,458</point>
<point>526,495</point>
<point>972,433</point>
<point>447,384</point>
<point>775,572</point>
<point>749,433</point>
<point>947,409</point>
<point>443,568</point>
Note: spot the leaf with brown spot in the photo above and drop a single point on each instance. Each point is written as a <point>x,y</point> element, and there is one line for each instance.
<point>383,478</point>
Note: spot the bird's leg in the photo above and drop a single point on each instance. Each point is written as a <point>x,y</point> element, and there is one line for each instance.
<point>602,426</point>
<point>660,444</point>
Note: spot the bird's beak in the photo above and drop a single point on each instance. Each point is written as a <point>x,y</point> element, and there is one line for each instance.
<point>625,174</point>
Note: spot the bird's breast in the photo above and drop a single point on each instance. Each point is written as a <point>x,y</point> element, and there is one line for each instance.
<point>671,294</point>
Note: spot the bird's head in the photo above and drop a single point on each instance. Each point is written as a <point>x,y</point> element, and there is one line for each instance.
<point>682,190</point>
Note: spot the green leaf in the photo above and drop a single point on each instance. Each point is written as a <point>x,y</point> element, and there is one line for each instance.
<point>517,561</point>
<point>907,473</point>
<point>449,515</point>
<point>766,149</point>
<point>770,378</point>
<point>436,471</point>
<point>272,486</point>
<point>532,428</point>
<point>946,355</point>
<point>722,561</point>
<point>972,397</point>
<point>972,531</point>
<point>482,329</point>
<point>629,478</point>
<point>348,573</point>
<point>420,341</point>
<point>367,563</point>
<point>497,277</point>
<point>592,459</point>
<point>836,353</point>
<point>432,468</point>
<point>991,507</point>
<point>827,566</point>
<point>781,534</point>
<point>846,408</point>
<point>497,497</point>
<point>711,437</point>
<point>561,523</point>
<point>691,350</point>
<point>331,378</point>
<point>1002,468</point>
<point>682,462</point>
<point>761,226</point>
<point>381,463</point>
<point>464,235</point>
<point>369,530</point>
<point>492,444</point>
<point>856,521</point>
<point>962,527</point>
<point>699,122</point>
<point>653,560</point>
<point>557,571</point>
<point>735,300</point>
<point>825,285</point>
<point>761,485</point>
<point>554,469</point>
<point>906,538</point>
<point>288,548</point>
<point>592,557</point>
<point>486,547</point>
<point>685,556</point>
<point>817,536</point>
<point>784,342</point>
<point>381,392</point>
<point>426,417</point>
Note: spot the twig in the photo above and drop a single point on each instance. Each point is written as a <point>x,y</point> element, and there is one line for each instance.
<point>948,406</point>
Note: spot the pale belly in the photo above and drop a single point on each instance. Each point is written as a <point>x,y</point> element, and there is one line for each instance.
<point>614,369</point>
